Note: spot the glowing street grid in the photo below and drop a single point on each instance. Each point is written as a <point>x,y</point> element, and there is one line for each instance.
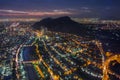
<point>59,56</point>
<point>65,56</point>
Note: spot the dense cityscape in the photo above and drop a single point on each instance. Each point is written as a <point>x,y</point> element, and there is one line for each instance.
<point>29,54</point>
<point>59,39</point>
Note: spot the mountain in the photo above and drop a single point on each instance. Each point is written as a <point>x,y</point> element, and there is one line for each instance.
<point>62,24</point>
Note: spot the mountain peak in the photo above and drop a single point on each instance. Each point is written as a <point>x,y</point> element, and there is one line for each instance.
<point>46,19</point>
<point>64,21</point>
<point>63,18</point>
<point>62,24</point>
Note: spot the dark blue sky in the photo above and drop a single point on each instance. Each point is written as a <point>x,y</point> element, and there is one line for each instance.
<point>106,9</point>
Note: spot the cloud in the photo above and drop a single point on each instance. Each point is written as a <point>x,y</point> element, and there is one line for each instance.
<point>56,12</point>
<point>12,11</point>
<point>85,9</point>
<point>34,13</point>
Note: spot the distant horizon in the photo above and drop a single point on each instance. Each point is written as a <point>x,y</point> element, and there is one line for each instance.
<point>52,16</point>
<point>102,9</point>
<point>79,20</point>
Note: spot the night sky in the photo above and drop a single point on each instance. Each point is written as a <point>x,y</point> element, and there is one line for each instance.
<point>103,9</point>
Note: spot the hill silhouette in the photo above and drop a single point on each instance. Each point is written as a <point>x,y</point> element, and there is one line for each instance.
<point>62,24</point>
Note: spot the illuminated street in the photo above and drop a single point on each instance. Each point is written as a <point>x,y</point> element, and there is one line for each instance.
<point>43,54</point>
<point>59,39</point>
<point>59,56</point>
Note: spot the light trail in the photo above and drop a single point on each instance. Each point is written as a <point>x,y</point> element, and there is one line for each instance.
<point>106,66</point>
<point>39,71</point>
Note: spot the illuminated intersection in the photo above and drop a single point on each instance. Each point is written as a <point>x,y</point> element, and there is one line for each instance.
<point>60,56</point>
<point>48,55</point>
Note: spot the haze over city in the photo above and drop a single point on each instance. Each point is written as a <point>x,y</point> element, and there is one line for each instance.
<point>103,9</point>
